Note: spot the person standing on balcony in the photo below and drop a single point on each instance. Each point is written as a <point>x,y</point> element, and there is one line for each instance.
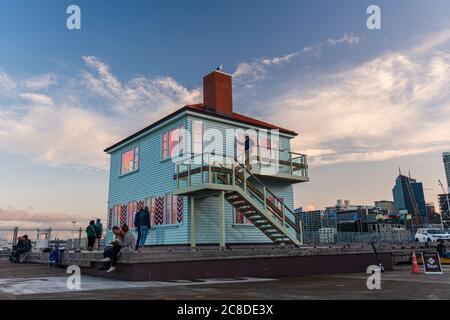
<point>248,145</point>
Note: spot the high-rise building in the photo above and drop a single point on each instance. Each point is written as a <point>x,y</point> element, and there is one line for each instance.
<point>311,220</point>
<point>446,159</point>
<point>433,216</point>
<point>408,195</point>
<point>444,200</point>
<point>386,205</point>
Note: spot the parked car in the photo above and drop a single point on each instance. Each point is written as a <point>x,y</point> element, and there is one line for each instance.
<point>431,235</point>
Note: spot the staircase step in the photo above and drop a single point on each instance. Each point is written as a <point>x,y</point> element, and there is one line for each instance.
<point>260,218</point>
<point>279,236</point>
<point>260,223</point>
<point>271,231</point>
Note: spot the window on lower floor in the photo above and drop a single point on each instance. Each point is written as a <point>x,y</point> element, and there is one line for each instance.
<point>240,218</point>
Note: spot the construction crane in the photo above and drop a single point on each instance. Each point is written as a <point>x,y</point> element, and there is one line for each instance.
<point>445,217</point>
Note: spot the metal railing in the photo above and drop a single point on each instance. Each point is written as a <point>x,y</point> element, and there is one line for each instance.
<point>72,237</point>
<point>314,237</point>
<point>278,161</point>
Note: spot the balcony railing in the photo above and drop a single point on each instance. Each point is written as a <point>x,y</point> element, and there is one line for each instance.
<point>206,170</point>
<point>276,162</point>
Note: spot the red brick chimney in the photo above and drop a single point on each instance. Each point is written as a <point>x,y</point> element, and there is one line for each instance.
<point>217,92</point>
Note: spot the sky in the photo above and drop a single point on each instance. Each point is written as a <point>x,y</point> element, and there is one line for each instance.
<point>364,102</point>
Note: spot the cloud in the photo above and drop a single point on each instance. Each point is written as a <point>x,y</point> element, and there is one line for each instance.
<point>431,41</point>
<point>248,73</point>
<point>39,82</point>
<point>394,105</point>
<point>346,39</point>
<point>39,99</point>
<point>29,215</point>
<point>77,118</point>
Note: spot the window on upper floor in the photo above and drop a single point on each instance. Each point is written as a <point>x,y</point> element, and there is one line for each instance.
<point>173,143</point>
<point>130,160</point>
<point>197,137</point>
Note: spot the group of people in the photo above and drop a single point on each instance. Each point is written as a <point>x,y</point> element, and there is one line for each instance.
<point>94,233</point>
<point>23,246</point>
<point>125,240</point>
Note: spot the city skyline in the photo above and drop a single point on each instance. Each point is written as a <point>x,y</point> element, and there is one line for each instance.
<point>361,100</point>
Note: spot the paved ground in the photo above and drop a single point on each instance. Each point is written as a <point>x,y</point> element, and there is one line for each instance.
<point>33,281</point>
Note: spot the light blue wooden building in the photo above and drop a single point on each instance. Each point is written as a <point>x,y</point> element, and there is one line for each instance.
<point>192,170</point>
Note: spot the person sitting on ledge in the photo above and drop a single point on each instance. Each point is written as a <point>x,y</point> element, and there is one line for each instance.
<point>23,246</point>
<point>129,241</point>
<point>111,253</point>
<point>15,247</point>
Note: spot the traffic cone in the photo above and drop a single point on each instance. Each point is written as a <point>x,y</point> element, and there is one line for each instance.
<point>415,265</point>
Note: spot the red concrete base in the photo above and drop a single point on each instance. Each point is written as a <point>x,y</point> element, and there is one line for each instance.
<point>266,267</point>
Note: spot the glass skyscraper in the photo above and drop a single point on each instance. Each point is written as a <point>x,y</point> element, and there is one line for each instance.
<point>446,158</point>
<point>408,195</point>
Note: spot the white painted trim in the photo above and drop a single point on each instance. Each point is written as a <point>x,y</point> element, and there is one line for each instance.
<point>198,115</point>
<point>238,123</point>
<point>165,123</point>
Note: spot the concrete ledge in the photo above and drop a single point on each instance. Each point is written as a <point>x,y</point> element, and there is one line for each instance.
<point>281,266</point>
<point>176,263</point>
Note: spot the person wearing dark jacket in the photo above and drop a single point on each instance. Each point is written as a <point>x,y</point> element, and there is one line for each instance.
<point>15,247</point>
<point>111,253</point>
<point>442,250</point>
<point>137,226</point>
<point>144,225</point>
<point>91,232</point>
<point>23,246</point>
<point>99,228</point>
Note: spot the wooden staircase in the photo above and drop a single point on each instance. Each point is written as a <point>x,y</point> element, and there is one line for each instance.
<point>245,193</point>
<point>259,218</point>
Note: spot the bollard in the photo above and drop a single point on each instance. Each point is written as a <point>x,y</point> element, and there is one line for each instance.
<point>79,240</point>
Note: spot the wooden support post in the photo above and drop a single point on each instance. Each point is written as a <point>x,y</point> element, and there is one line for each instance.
<point>233,178</point>
<point>245,180</point>
<point>222,219</point>
<point>189,175</point>
<point>209,173</point>
<point>178,177</point>
<point>192,218</point>
<point>265,198</point>
<point>79,239</point>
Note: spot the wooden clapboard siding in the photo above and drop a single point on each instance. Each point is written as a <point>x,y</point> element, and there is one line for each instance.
<point>207,220</point>
<point>155,178</point>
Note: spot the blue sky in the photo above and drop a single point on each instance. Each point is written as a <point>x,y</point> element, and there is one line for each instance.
<point>365,102</point>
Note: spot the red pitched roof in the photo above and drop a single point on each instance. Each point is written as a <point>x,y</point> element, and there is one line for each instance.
<point>240,118</point>
<point>199,108</point>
